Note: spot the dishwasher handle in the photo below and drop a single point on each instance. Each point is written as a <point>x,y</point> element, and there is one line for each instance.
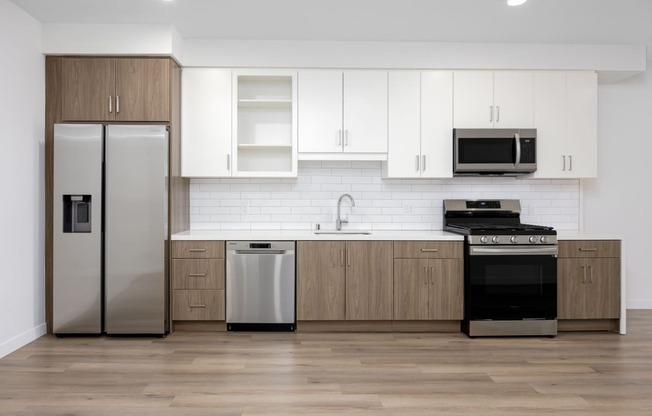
<point>275,252</point>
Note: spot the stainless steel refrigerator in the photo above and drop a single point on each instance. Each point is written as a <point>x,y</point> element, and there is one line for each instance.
<point>110,229</point>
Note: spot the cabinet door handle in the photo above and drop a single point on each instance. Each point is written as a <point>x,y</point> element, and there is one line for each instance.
<point>423,163</point>
<point>110,103</point>
<point>583,274</point>
<point>342,257</point>
<point>346,138</point>
<point>497,114</point>
<point>432,276</point>
<point>197,250</point>
<point>588,249</point>
<point>427,275</point>
<point>570,163</point>
<point>563,164</point>
<point>117,104</point>
<point>339,137</point>
<point>348,258</point>
<point>198,306</point>
<point>417,163</point>
<point>197,275</point>
<point>591,274</point>
<point>491,113</point>
<point>228,162</point>
<point>429,250</point>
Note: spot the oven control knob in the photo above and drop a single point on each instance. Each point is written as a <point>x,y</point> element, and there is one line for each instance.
<point>513,239</point>
<point>484,239</point>
<point>532,239</point>
<point>544,239</point>
<point>495,239</point>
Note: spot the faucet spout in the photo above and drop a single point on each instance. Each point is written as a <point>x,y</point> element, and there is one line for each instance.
<point>340,221</point>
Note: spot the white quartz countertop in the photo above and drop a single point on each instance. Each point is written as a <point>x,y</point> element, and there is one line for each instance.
<point>310,235</point>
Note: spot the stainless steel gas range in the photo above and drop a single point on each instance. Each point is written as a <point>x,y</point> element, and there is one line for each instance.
<point>510,269</point>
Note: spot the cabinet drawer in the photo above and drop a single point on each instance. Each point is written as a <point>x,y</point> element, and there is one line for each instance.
<point>198,249</point>
<point>197,274</point>
<point>589,248</point>
<point>198,305</point>
<point>428,249</point>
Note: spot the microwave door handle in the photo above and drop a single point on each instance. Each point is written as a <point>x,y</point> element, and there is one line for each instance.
<point>517,138</point>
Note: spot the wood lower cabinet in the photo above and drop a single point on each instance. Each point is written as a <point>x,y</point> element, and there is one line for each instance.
<point>428,281</point>
<point>588,280</point>
<point>116,89</point>
<point>197,281</point>
<point>339,280</point>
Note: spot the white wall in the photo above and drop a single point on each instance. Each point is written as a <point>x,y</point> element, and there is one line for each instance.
<point>383,204</point>
<point>22,103</point>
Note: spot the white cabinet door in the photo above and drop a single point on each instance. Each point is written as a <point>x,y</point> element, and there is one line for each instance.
<point>436,124</point>
<point>565,105</point>
<point>320,111</point>
<point>206,122</point>
<point>582,123</point>
<point>550,122</point>
<point>513,99</point>
<point>473,99</point>
<point>365,111</point>
<point>404,145</point>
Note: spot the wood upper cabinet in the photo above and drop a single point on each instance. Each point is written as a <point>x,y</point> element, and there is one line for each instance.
<point>486,99</point>
<point>588,280</point>
<point>320,281</point>
<point>339,280</point>
<point>427,284</point>
<point>115,89</point>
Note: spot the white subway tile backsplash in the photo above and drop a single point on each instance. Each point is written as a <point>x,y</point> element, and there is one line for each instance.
<point>381,204</point>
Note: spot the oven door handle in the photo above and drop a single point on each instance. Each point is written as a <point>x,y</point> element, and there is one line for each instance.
<point>517,139</point>
<point>514,251</point>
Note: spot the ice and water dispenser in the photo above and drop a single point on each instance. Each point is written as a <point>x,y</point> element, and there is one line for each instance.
<point>77,213</point>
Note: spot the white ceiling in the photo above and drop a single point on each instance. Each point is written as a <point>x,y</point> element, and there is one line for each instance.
<point>538,21</point>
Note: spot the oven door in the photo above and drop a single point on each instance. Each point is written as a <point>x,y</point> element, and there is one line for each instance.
<point>510,282</point>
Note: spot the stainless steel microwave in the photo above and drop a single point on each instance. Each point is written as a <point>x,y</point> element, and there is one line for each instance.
<point>494,151</point>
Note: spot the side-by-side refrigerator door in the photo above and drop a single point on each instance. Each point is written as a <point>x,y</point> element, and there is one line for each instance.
<point>136,199</point>
<point>77,229</point>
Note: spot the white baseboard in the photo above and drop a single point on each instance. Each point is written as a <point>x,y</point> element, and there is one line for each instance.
<point>639,304</point>
<point>20,340</point>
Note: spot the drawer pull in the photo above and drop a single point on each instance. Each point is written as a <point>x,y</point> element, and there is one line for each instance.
<point>429,250</point>
<point>197,275</point>
<point>197,250</point>
<point>588,249</point>
<point>198,306</point>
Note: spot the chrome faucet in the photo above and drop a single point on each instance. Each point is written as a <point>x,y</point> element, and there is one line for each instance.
<point>340,221</point>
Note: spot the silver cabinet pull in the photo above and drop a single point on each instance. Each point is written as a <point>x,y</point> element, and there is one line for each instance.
<point>423,163</point>
<point>346,138</point>
<point>425,271</point>
<point>570,163</point>
<point>110,103</point>
<point>348,258</point>
<point>588,249</point>
<point>417,163</point>
<point>563,166</point>
<point>429,250</point>
<point>583,274</point>
<point>491,113</point>
<point>591,274</point>
<point>117,104</point>
<point>497,114</point>
<point>197,275</point>
<point>432,276</point>
<point>342,257</point>
<point>339,137</point>
<point>198,306</point>
<point>197,250</point>
<point>228,162</point>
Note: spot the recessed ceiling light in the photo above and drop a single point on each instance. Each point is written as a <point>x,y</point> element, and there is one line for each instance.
<point>515,2</point>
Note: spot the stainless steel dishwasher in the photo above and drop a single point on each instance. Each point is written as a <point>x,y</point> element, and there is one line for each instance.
<point>260,285</point>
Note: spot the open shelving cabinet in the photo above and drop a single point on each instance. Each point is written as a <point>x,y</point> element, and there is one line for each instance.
<point>265,124</point>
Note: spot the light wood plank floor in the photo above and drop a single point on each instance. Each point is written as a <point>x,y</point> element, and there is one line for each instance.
<point>333,374</point>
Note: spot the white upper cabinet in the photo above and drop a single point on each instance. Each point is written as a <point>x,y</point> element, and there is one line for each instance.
<point>342,114</point>
<point>206,122</point>
<point>566,122</point>
<point>420,125</point>
<point>486,99</point>
<point>265,123</point>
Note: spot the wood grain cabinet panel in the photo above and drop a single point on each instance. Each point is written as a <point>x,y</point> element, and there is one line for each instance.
<point>369,280</point>
<point>116,89</point>
<point>320,280</point>
<point>198,305</point>
<point>446,289</point>
<point>411,289</point>
<point>197,249</point>
<point>428,250</point>
<point>588,282</point>
<point>197,273</point>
